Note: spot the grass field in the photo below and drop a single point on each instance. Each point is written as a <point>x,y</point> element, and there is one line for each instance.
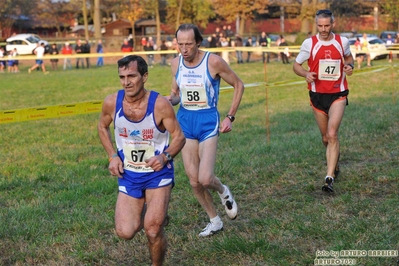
<point>57,197</point>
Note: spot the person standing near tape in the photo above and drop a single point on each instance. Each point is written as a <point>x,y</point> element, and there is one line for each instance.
<point>67,50</point>
<point>196,80</point>
<point>143,122</point>
<point>330,60</point>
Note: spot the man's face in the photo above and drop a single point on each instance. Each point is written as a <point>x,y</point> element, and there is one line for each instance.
<point>187,45</point>
<point>324,27</point>
<point>131,80</point>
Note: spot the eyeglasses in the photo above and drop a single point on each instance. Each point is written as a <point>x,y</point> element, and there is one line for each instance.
<point>324,11</point>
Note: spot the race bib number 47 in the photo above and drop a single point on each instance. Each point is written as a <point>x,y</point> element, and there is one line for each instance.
<point>136,152</point>
<point>329,69</point>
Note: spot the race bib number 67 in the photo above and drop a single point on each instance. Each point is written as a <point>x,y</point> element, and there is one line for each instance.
<point>329,69</point>
<point>136,152</point>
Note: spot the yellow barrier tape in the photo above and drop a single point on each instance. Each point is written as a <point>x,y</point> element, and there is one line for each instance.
<point>56,111</point>
<point>276,49</point>
<point>36,113</point>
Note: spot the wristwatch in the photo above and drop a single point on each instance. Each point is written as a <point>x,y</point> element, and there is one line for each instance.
<point>168,156</point>
<point>231,117</point>
<point>351,65</point>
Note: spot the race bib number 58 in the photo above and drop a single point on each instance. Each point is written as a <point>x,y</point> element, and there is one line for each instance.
<point>193,98</point>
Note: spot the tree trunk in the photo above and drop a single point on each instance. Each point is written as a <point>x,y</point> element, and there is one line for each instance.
<point>282,30</point>
<point>134,36</point>
<point>84,9</point>
<point>97,19</point>
<point>179,13</point>
<point>242,26</point>
<point>158,22</point>
<point>305,19</point>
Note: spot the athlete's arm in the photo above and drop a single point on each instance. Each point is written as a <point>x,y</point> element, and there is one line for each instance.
<point>303,56</point>
<point>217,66</point>
<point>348,58</point>
<point>166,120</point>
<point>106,117</point>
<point>174,96</point>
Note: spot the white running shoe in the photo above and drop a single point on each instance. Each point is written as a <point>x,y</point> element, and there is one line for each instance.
<point>211,229</point>
<point>229,203</point>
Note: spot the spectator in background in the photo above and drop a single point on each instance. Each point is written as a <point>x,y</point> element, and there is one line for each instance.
<point>2,63</point>
<point>397,42</point>
<point>225,54</point>
<point>365,49</point>
<point>285,53</point>
<point>131,41</point>
<point>263,42</point>
<point>143,43</point>
<point>213,42</point>
<point>249,44</point>
<point>150,57</point>
<point>54,61</point>
<point>175,47</point>
<point>100,50</point>
<point>126,48</point>
<point>229,34</point>
<point>217,35</point>
<point>359,54</point>
<point>152,43</point>
<point>86,50</point>
<point>67,50</point>
<point>390,42</point>
<point>238,43</point>
<point>15,62</point>
<point>79,49</point>
<point>164,56</point>
<point>10,62</point>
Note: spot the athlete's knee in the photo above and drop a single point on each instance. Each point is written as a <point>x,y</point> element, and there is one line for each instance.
<point>153,231</point>
<point>332,136</point>
<point>207,180</point>
<point>127,233</point>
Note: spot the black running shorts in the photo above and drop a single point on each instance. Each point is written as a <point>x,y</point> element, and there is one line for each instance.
<point>323,101</point>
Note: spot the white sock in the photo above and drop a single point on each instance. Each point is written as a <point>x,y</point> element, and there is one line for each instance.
<point>216,220</point>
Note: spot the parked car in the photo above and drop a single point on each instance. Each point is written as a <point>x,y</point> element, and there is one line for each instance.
<point>347,34</point>
<point>377,47</point>
<point>384,35</point>
<point>25,43</point>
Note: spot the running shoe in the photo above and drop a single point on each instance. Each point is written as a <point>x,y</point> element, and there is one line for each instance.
<point>211,229</point>
<point>328,186</point>
<point>229,203</point>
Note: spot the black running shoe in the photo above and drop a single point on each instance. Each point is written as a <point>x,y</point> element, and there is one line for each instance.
<point>328,186</point>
